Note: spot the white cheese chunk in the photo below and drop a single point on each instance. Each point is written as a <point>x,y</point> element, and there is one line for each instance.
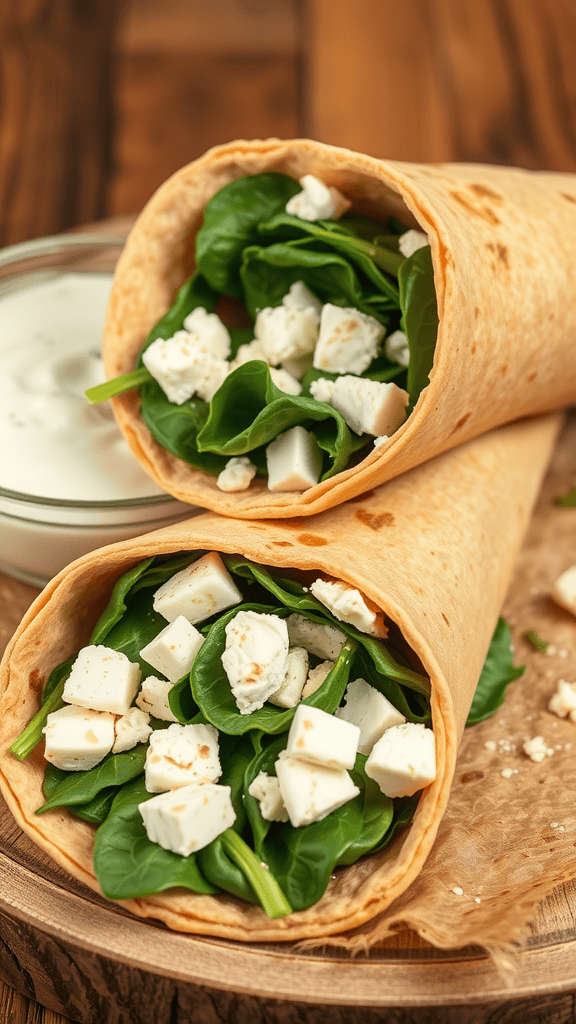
<point>290,690</point>
<point>246,353</point>
<point>368,406</point>
<point>316,677</point>
<point>297,366</point>
<point>317,201</point>
<point>154,700</point>
<point>255,658</point>
<point>129,729</point>
<point>311,791</point>
<point>323,641</point>
<point>215,374</point>
<point>266,790</point>
<point>348,340</point>
<point>209,329</point>
<point>537,749</point>
<point>174,649</point>
<point>564,590</point>
<point>189,819</point>
<point>182,365</point>
<point>403,760</point>
<point>102,679</point>
<point>316,736</point>
<point>563,702</point>
<point>202,589</point>
<point>293,460</point>
<point>285,332</point>
<point>347,604</point>
<point>300,297</point>
<point>77,738</point>
<point>411,240</point>
<point>181,755</point>
<point>370,710</point>
<point>397,349</point>
<point>285,382</point>
<point>237,474</point>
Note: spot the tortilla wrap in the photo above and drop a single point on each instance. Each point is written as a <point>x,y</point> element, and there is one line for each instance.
<point>503,245</point>
<point>434,550</point>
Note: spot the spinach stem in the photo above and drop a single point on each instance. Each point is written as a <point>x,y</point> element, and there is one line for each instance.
<point>30,737</point>
<point>273,900</point>
<point>118,385</point>
<point>385,259</point>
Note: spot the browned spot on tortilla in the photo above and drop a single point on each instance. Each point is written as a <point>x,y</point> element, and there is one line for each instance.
<point>446,619</point>
<point>361,497</point>
<point>502,254</point>
<point>374,521</point>
<point>566,195</point>
<point>491,246</point>
<point>292,524</point>
<point>473,349</point>
<point>483,190</point>
<point>474,776</point>
<point>480,211</point>
<point>311,540</point>
<point>461,422</point>
<point>36,679</point>
<point>283,543</point>
<point>532,376</point>
<point>504,368</point>
<point>476,313</point>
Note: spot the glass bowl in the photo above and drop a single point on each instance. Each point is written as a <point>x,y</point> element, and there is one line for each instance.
<point>68,482</point>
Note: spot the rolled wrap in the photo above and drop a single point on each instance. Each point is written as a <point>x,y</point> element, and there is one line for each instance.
<point>434,550</point>
<point>503,245</point>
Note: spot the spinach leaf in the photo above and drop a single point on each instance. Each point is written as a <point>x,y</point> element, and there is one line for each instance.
<point>70,788</point>
<point>567,500</point>
<point>419,318</point>
<point>497,673</point>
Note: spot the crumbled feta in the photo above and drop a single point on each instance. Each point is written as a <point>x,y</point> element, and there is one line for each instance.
<point>368,406</point>
<point>188,819</point>
<point>316,736</point>
<point>411,240</point>
<point>380,440</point>
<point>202,589</point>
<point>237,474</point>
<point>311,791</point>
<point>347,604</point>
<point>370,710</point>
<point>564,590</point>
<point>316,677</point>
<point>255,658</point>
<point>209,329</point>
<point>181,755</point>
<point>537,749</point>
<point>132,728</point>
<point>348,340</point>
<point>297,366</point>
<point>290,690</point>
<point>102,679</point>
<point>396,348</point>
<point>323,641</point>
<point>77,738</point>
<point>293,460</point>
<point>174,649</point>
<point>300,297</point>
<point>285,332</point>
<point>182,365</point>
<point>563,702</point>
<point>246,353</point>
<point>317,201</point>
<point>266,790</point>
<point>153,698</point>
<point>403,760</point>
<point>216,372</point>
<point>285,382</point>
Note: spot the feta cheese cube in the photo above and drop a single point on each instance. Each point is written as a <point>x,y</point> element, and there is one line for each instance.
<point>412,240</point>
<point>246,353</point>
<point>132,728</point>
<point>285,332</point>
<point>293,460</point>
<point>563,702</point>
<point>367,406</point>
<point>202,589</point>
<point>216,371</point>
<point>324,641</point>
<point>209,329</point>
<point>300,297</point>
<point>348,340</point>
<point>266,790</point>
<point>397,349</point>
<point>174,649</point>
<point>285,382</point>
<point>255,658</point>
<point>370,710</point>
<point>297,366</point>
<point>311,791</point>
<point>102,679</point>
<point>316,736</point>
<point>564,590</point>
<point>237,474</point>
<point>289,692</point>
<point>317,201</point>
<point>403,760</point>
<point>347,604</point>
<point>181,365</point>
<point>181,755</point>
<point>316,677</point>
<point>189,819</point>
<point>77,738</point>
<point>153,698</point>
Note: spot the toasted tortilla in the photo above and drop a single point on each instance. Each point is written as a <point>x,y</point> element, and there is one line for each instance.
<point>503,244</point>
<point>434,550</point>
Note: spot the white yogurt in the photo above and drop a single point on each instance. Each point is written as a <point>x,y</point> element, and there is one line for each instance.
<point>53,443</point>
